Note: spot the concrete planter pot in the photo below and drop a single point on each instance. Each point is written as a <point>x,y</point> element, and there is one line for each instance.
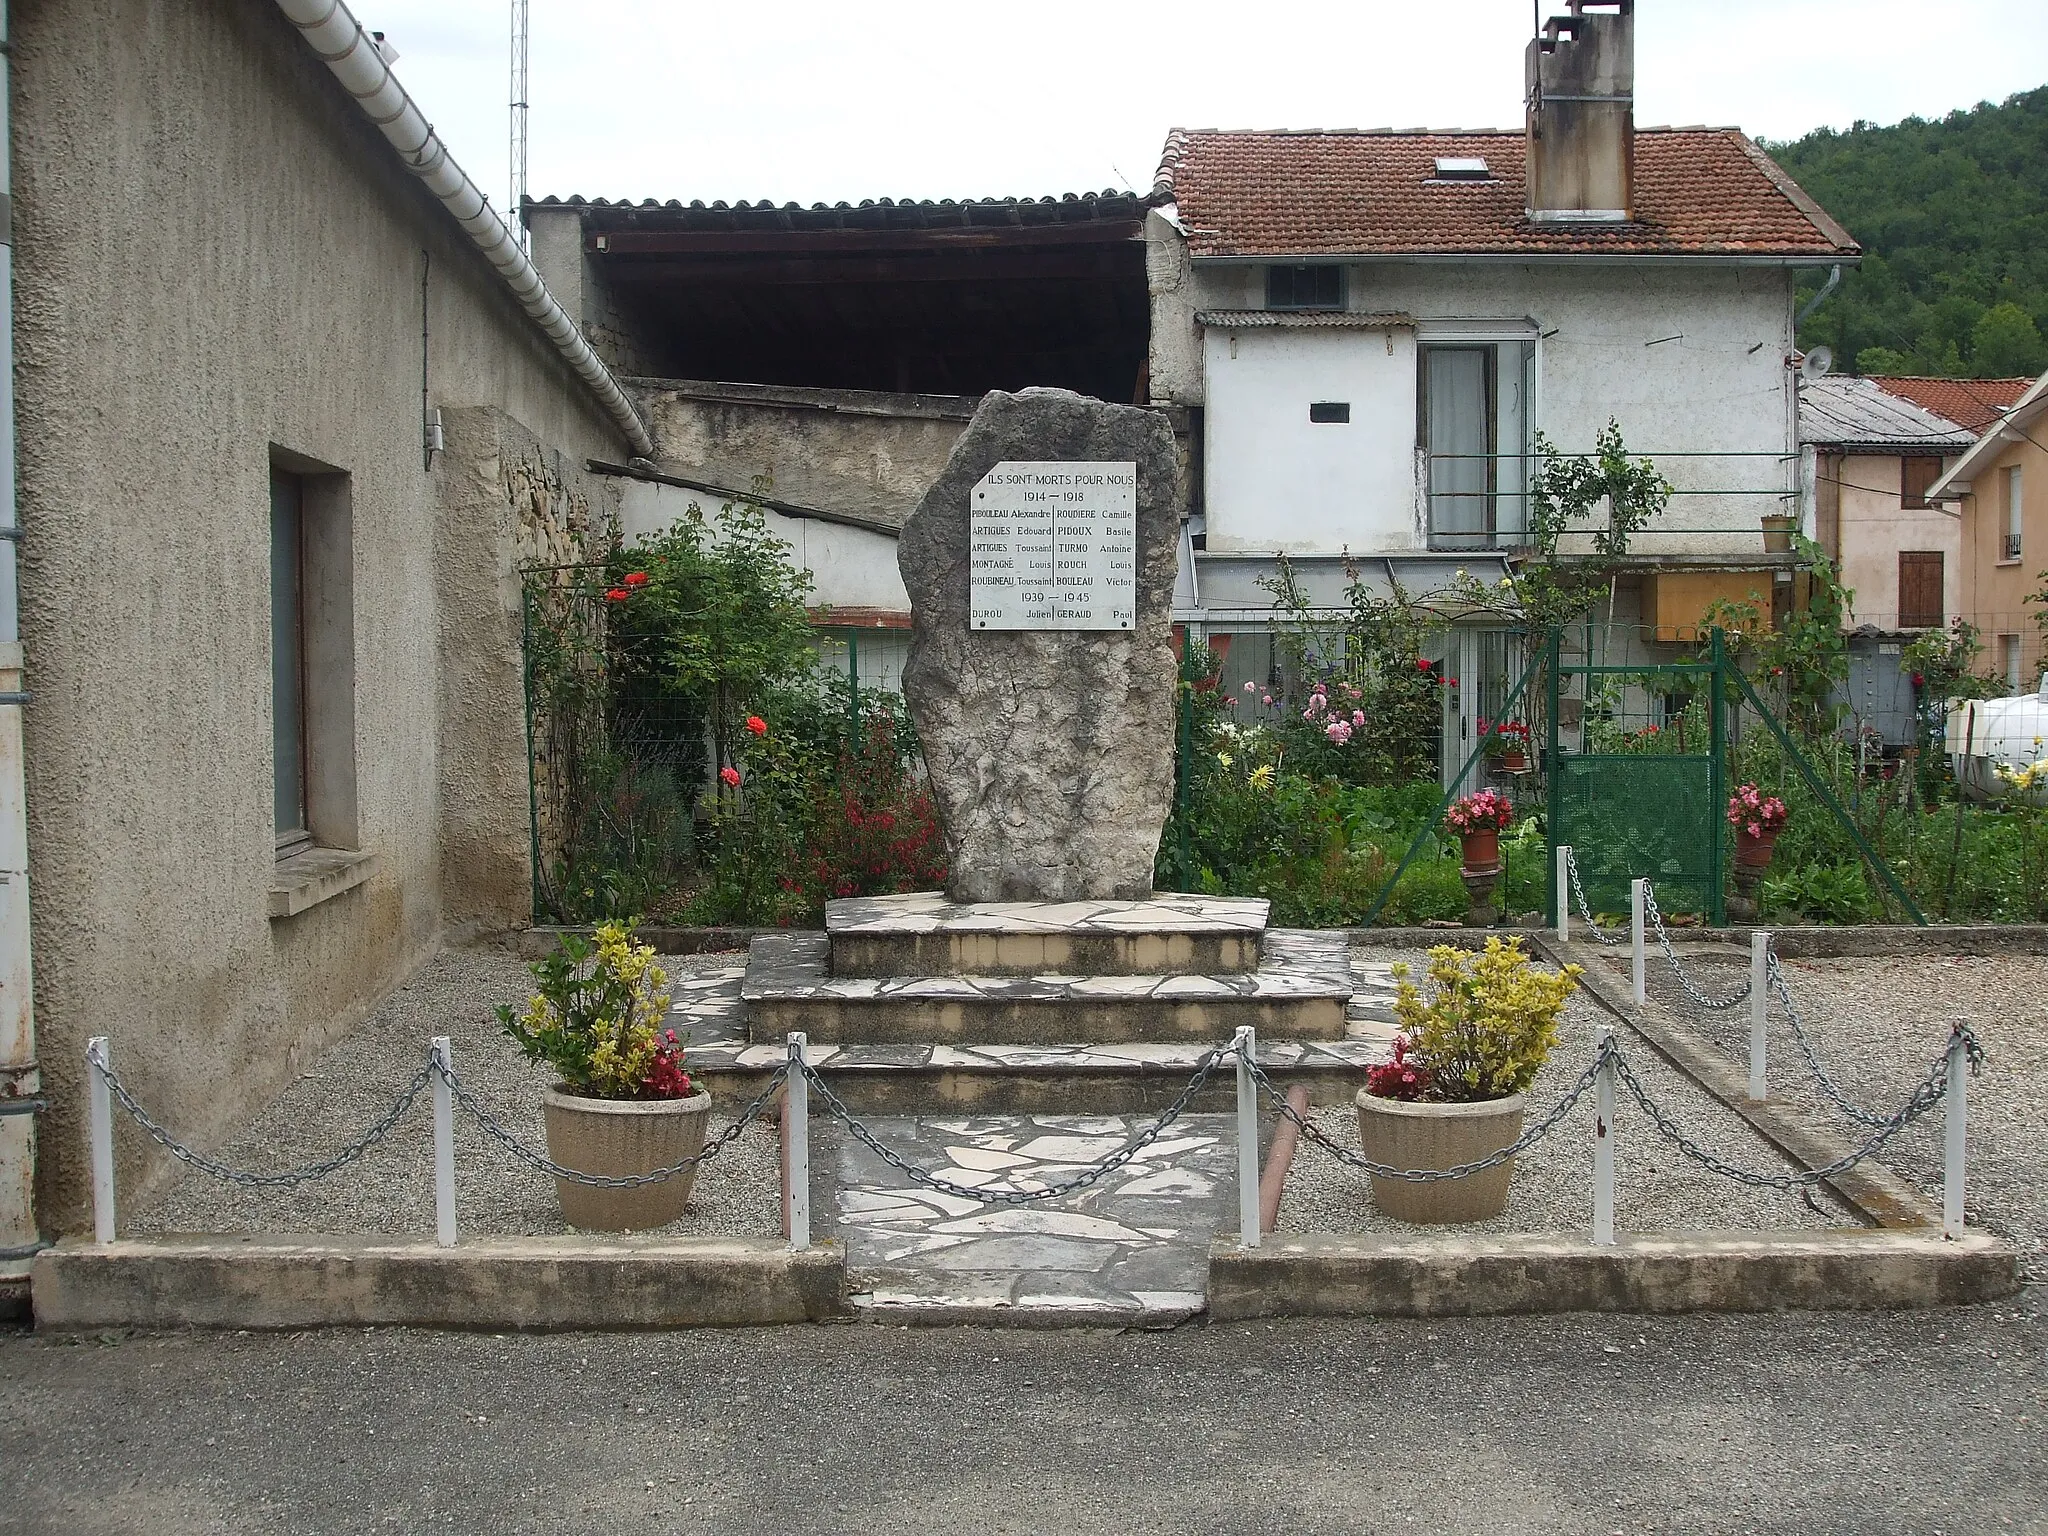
<point>1439,1136</point>
<point>614,1137</point>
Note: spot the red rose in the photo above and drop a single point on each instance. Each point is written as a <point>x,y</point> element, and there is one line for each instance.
<point>731,776</point>
<point>636,578</point>
<point>757,725</point>
<point>617,595</point>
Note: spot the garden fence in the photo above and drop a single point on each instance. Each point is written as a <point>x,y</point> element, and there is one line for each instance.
<point>1608,1075</point>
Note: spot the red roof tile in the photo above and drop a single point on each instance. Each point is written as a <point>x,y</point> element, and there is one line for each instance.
<point>1970,403</point>
<point>1698,191</point>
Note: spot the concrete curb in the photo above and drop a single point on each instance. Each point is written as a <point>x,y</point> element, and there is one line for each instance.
<point>497,1283</point>
<point>1675,1272</point>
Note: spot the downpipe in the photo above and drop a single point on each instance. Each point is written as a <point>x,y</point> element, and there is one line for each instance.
<point>346,49</point>
<point>20,1082</point>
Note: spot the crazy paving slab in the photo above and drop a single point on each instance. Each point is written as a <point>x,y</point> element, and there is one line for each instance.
<point>924,934</point>
<point>1131,1248</point>
<point>1299,991</point>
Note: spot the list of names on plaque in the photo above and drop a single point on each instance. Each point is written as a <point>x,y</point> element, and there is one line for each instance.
<point>1055,546</point>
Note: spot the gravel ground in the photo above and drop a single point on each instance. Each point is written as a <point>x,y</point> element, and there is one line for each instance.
<point>1877,1026</point>
<point>390,1190</point>
<point>1656,1189</point>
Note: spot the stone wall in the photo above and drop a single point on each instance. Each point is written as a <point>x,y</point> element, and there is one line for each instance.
<point>500,490</point>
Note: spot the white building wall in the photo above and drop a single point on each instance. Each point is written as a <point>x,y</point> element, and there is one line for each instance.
<point>1691,359</point>
<point>1275,479</point>
<point>850,567</point>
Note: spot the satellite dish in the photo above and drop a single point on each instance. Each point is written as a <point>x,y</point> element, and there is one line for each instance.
<point>1818,361</point>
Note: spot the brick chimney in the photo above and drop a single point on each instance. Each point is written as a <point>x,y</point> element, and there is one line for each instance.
<point>1579,77</point>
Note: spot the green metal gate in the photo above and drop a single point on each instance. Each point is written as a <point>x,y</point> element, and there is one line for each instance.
<point>1639,799</point>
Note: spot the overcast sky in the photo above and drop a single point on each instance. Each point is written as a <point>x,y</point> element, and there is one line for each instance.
<point>806,101</point>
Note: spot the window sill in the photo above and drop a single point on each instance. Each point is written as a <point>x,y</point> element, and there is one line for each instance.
<point>2015,560</point>
<point>310,877</point>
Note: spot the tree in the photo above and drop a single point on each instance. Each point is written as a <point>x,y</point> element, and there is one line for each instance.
<point>2005,343</point>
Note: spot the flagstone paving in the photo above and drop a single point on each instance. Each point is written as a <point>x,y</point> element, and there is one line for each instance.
<point>1133,1247</point>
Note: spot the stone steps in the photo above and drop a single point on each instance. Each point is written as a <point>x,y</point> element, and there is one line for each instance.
<point>1300,991</point>
<point>927,935</point>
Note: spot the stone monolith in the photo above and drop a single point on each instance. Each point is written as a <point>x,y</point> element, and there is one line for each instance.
<point>1050,751</point>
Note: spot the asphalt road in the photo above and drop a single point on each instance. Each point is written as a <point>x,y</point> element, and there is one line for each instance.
<point>1908,1422</point>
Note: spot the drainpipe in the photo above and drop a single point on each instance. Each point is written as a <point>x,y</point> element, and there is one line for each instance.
<point>352,55</point>
<point>1826,288</point>
<point>20,1083</point>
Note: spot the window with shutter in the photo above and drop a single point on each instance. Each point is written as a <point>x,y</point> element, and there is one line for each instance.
<point>1920,589</point>
<point>1917,474</point>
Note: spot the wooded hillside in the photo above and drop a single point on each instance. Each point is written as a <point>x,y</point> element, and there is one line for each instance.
<point>1953,216</point>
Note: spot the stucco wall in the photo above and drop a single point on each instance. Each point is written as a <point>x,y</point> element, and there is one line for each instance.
<point>842,450</point>
<point>1875,526</point>
<point>218,254</point>
<point>1995,588</point>
<point>850,567</point>
<point>1690,359</point>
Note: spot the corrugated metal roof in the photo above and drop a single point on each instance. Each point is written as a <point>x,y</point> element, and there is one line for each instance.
<point>1844,411</point>
<point>1299,319</point>
<point>869,214</point>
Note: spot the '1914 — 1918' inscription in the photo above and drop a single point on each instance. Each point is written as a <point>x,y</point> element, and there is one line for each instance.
<point>1055,546</point>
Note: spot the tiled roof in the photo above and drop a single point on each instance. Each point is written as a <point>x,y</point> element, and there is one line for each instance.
<point>1840,411</point>
<point>1970,403</point>
<point>1698,191</point>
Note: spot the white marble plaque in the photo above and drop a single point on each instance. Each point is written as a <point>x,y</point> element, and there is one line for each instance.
<point>1055,546</point>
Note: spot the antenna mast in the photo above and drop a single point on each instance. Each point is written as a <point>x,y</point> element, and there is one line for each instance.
<point>516,208</point>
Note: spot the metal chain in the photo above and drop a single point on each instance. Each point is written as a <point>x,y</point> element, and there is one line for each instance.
<point>540,1160</point>
<point>1813,1063</point>
<point>1930,1092</point>
<point>1585,907</point>
<point>289,1178</point>
<point>1529,1137</point>
<point>1711,1004</point>
<point>1008,1195</point>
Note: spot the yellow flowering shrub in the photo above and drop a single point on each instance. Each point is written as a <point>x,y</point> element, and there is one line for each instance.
<point>596,1018</point>
<point>1490,1025</point>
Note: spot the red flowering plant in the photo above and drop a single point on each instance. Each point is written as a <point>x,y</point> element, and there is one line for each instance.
<point>1504,739</point>
<point>875,831</point>
<point>1487,811</point>
<point>1404,1078</point>
<point>1751,810</point>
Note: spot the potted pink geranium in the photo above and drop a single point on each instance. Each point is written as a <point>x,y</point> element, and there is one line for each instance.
<point>1478,820</point>
<point>1758,818</point>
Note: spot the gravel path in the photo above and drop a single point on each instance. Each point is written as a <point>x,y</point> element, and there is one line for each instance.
<point>1655,1188</point>
<point>390,1190</point>
<point>1877,1025</point>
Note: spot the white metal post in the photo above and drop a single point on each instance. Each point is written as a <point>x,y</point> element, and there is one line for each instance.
<point>444,1143</point>
<point>1246,1044</point>
<point>796,1109</point>
<point>99,1109</point>
<point>1955,1128</point>
<point>1564,893</point>
<point>1759,1012</point>
<point>1638,890</point>
<point>1603,1141</point>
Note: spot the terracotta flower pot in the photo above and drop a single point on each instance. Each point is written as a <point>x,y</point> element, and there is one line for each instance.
<point>1439,1136</point>
<point>1754,851</point>
<point>1482,849</point>
<point>1514,760</point>
<point>623,1136</point>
